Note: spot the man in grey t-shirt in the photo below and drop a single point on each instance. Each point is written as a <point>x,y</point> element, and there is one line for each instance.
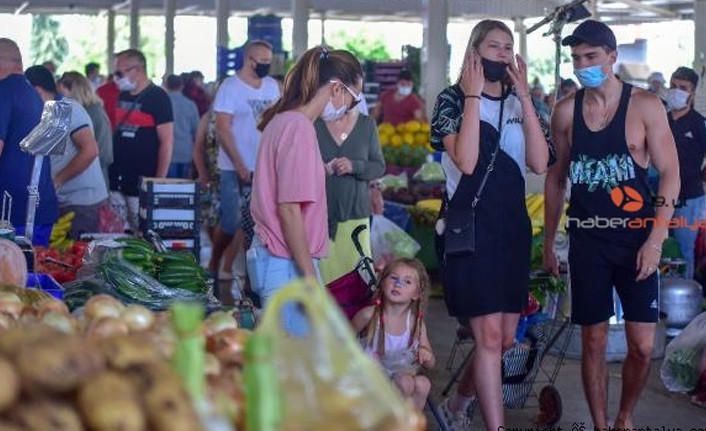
<point>77,176</point>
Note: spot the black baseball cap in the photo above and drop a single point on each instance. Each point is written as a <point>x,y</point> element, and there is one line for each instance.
<point>686,74</point>
<point>40,76</point>
<point>593,33</point>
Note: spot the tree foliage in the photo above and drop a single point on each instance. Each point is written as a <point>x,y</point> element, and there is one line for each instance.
<point>47,42</point>
<point>542,70</point>
<point>364,46</point>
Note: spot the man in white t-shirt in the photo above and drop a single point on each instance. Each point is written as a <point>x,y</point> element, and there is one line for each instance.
<point>239,103</point>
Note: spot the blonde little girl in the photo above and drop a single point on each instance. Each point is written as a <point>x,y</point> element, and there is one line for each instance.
<point>393,329</point>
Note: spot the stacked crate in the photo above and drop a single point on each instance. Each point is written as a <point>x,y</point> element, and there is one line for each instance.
<point>170,208</point>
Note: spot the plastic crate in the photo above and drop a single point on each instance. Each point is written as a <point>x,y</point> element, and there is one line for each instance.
<point>171,223</point>
<point>168,185</point>
<point>46,283</point>
<point>169,200</point>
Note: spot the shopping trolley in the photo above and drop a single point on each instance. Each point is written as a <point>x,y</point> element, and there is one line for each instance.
<point>523,363</point>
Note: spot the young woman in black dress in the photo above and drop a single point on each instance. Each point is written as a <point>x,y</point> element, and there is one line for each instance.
<point>490,105</point>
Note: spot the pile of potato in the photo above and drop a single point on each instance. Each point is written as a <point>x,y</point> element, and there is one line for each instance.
<point>64,382</point>
<point>109,369</point>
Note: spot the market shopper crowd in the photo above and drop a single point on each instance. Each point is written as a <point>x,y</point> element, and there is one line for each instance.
<point>285,171</point>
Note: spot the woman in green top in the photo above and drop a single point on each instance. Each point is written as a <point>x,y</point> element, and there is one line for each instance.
<point>351,152</point>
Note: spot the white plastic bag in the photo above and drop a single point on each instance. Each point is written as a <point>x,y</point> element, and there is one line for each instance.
<point>681,366</point>
<point>389,241</point>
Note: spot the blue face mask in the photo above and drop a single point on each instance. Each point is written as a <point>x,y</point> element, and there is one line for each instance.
<point>592,76</point>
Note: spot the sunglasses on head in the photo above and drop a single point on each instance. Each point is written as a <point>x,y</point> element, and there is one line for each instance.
<point>356,97</point>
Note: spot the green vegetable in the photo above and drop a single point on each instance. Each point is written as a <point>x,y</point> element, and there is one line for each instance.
<point>189,352</point>
<point>684,367</point>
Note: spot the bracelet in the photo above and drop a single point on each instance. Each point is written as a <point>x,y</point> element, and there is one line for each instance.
<point>472,96</point>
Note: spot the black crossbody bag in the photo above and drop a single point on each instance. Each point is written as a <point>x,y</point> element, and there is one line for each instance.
<point>460,231</point>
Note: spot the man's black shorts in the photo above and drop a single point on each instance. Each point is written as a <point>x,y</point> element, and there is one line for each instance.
<point>597,266</point>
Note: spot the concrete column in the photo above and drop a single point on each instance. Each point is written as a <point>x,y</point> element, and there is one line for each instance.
<point>521,30</point>
<point>169,13</point>
<point>135,24</point>
<point>111,40</point>
<point>593,8</point>
<point>700,51</point>
<point>222,15</point>
<point>435,51</point>
<point>300,27</point>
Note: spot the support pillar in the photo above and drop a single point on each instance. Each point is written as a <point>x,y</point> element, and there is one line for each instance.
<point>300,27</point>
<point>700,52</point>
<point>169,13</point>
<point>135,24</point>
<point>111,41</point>
<point>435,52</point>
<point>222,15</point>
<point>593,8</point>
<point>521,30</point>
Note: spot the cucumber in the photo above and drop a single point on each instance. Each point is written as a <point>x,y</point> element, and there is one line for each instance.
<point>137,243</point>
<point>172,257</point>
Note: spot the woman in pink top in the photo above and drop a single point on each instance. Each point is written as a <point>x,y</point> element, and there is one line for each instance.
<point>289,185</point>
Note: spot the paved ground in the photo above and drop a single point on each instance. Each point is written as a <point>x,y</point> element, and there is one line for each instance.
<point>658,409</point>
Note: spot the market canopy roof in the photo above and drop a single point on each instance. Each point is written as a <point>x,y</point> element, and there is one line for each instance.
<point>617,11</point>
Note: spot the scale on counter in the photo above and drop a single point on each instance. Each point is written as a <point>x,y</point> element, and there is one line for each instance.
<point>48,138</point>
<point>7,231</point>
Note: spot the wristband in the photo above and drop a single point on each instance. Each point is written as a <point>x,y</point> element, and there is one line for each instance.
<point>472,96</point>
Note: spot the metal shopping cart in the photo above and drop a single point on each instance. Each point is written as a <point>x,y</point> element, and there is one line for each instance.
<point>523,363</point>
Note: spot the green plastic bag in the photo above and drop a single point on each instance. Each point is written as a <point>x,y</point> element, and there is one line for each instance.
<point>327,381</point>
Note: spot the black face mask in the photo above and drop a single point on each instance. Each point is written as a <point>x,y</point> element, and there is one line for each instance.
<point>262,69</point>
<point>494,70</point>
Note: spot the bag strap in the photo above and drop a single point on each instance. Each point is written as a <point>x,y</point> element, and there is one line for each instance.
<point>132,107</point>
<point>491,165</point>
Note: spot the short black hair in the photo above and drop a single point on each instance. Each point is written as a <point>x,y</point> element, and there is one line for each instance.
<point>405,75</point>
<point>686,74</point>
<point>91,67</point>
<point>174,82</point>
<point>40,76</point>
<point>134,54</point>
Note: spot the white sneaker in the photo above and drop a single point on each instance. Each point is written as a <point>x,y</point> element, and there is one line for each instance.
<point>237,287</point>
<point>455,422</point>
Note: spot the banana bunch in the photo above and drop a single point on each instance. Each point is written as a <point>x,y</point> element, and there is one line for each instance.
<point>60,231</point>
<point>535,210</point>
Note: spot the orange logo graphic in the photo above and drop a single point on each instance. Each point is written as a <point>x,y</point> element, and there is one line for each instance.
<point>626,198</point>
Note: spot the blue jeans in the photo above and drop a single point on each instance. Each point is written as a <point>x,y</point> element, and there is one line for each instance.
<point>268,274</point>
<point>231,191</point>
<point>693,211</point>
<point>178,170</point>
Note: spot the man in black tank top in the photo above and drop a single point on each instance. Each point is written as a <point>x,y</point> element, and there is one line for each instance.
<point>607,135</point>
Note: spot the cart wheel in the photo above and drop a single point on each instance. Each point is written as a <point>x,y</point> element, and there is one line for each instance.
<point>549,405</point>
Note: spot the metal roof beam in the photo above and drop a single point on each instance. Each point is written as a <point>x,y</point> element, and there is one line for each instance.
<point>649,8</point>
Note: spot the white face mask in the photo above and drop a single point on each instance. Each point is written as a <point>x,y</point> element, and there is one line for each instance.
<point>404,90</point>
<point>124,84</point>
<point>331,113</point>
<point>676,99</point>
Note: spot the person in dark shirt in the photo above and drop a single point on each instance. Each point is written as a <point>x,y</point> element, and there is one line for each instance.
<point>144,136</point>
<point>689,130</point>
<point>20,111</point>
